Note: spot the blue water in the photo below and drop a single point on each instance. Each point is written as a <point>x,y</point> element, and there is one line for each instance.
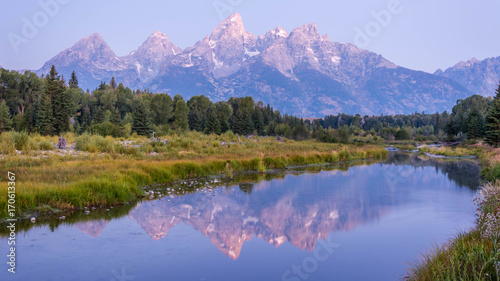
<point>366,223</point>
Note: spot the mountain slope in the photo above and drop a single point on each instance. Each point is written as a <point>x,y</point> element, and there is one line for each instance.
<point>91,59</point>
<point>302,72</point>
<point>479,77</point>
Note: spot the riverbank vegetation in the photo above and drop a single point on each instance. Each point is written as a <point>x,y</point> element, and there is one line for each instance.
<point>51,106</point>
<point>473,254</point>
<point>96,170</point>
<point>118,140</point>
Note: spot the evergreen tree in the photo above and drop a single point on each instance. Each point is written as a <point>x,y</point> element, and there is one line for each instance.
<point>493,121</point>
<point>73,82</point>
<point>475,125</point>
<point>60,101</point>
<point>300,132</point>
<point>84,119</point>
<point>213,125</point>
<point>5,119</point>
<point>141,123</point>
<point>161,109</point>
<point>243,124</point>
<point>112,83</point>
<point>196,120</point>
<point>224,113</point>
<point>45,126</point>
<point>99,115</point>
<point>115,117</point>
<point>29,118</point>
<point>181,115</point>
<point>258,120</point>
<point>198,112</point>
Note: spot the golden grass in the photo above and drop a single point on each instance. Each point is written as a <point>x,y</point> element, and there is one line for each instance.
<point>111,174</point>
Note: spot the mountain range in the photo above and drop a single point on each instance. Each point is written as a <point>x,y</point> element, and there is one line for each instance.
<point>302,72</point>
<point>479,77</point>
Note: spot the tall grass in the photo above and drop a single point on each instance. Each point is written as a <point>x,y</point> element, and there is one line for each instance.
<point>450,151</point>
<point>473,255</point>
<point>109,171</point>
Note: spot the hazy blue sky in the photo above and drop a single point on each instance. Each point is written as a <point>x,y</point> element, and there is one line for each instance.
<point>424,35</point>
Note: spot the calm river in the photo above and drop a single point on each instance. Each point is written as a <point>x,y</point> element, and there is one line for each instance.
<point>363,222</point>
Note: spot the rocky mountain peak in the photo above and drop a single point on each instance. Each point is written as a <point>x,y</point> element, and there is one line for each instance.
<point>469,63</point>
<point>278,32</point>
<point>91,45</point>
<point>301,72</point>
<point>230,46</point>
<point>233,26</point>
<point>91,50</point>
<point>265,41</point>
<point>156,46</point>
<point>479,77</point>
<point>308,30</point>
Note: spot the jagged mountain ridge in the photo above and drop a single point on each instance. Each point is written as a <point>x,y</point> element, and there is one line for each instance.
<point>479,77</point>
<point>302,72</point>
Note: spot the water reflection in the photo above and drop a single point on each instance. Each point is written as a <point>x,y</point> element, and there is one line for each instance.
<point>256,226</point>
<point>300,209</point>
<point>465,173</point>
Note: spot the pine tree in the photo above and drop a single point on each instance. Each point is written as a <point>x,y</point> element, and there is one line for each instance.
<point>60,101</point>
<point>29,118</point>
<point>112,83</point>
<point>300,132</point>
<point>45,126</point>
<point>493,121</point>
<point>243,124</point>
<point>99,115</point>
<point>224,122</point>
<point>84,120</point>
<point>258,120</point>
<point>224,112</point>
<point>475,125</point>
<point>195,120</point>
<point>161,109</point>
<point>115,118</point>
<point>73,82</point>
<point>141,123</point>
<point>5,119</point>
<point>213,125</point>
<point>181,115</point>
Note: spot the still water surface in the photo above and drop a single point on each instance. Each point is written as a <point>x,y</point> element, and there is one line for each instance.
<point>367,222</point>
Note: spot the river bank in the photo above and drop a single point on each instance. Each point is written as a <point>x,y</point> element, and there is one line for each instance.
<point>105,171</point>
<point>472,254</point>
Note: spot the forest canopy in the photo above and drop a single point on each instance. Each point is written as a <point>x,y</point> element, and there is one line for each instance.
<point>51,105</point>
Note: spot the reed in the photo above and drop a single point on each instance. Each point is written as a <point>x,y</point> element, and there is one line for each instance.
<point>475,254</point>
<point>107,171</point>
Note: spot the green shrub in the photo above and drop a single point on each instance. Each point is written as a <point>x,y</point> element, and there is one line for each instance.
<point>20,139</point>
<point>402,134</point>
<point>46,145</point>
<point>83,142</point>
<point>8,143</point>
<point>106,129</point>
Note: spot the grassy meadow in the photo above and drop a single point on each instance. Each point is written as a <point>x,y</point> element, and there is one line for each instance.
<point>95,170</point>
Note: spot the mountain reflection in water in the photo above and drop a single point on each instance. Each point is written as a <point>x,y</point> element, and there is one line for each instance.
<point>297,208</point>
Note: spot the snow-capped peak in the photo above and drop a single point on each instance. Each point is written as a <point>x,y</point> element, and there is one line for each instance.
<point>278,31</point>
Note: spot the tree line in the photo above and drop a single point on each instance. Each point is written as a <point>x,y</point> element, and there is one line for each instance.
<point>51,106</point>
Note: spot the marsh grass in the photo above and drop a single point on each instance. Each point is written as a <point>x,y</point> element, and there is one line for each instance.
<point>109,171</point>
<point>468,256</point>
<point>450,151</point>
<point>473,255</point>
